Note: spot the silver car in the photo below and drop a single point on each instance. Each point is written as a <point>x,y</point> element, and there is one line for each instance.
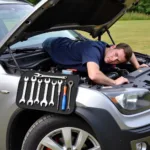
<point>36,110</point>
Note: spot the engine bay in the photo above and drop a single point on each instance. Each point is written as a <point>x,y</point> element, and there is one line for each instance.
<point>138,79</point>
<point>38,60</point>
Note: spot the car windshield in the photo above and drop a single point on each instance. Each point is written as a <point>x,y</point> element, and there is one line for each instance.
<point>36,41</point>
<point>10,14</point>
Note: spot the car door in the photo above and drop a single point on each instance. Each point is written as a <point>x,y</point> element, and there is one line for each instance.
<point>8,90</point>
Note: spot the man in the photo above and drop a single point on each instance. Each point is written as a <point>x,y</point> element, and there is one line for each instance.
<point>90,56</point>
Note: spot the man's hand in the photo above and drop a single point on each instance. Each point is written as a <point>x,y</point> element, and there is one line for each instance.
<point>97,76</point>
<point>142,66</point>
<point>135,63</point>
<point>121,80</point>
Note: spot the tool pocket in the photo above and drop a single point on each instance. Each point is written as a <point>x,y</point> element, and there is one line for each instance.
<point>52,92</point>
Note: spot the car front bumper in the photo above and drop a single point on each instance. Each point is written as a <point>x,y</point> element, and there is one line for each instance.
<point>139,139</point>
<point>109,134</point>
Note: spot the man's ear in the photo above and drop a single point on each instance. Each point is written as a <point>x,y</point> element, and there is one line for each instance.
<point>113,46</point>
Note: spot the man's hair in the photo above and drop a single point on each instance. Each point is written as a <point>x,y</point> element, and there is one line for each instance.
<point>127,50</point>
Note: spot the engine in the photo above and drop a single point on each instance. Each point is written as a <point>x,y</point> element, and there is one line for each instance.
<point>40,61</point>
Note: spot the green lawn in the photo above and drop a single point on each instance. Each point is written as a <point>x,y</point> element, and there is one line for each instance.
<point>135,16</point>
<point>135,32</point>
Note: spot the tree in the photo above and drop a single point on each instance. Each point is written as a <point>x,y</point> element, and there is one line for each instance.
<point>142,7</point>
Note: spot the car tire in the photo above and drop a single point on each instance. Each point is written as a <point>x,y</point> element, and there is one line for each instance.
<point>59,132</point>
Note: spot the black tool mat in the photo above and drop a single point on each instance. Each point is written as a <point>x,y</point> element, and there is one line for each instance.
<point>25,93</point>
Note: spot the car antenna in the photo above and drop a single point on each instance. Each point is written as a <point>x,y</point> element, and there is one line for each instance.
<point>13,57</point>
<point>108,32</point>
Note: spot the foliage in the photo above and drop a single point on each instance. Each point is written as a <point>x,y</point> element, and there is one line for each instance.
<point>142,7</point>
<point>34,1</point>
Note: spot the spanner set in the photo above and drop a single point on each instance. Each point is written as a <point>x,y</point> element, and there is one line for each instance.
<point>48,92</point>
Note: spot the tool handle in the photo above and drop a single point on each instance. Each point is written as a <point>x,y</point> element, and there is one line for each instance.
<point>64,98</point>
<point>64,102</point>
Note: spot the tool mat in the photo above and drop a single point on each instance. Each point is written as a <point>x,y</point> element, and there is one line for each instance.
<point>52,92</point>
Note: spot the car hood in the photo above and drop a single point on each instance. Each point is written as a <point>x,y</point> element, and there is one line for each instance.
<point>93,16</point>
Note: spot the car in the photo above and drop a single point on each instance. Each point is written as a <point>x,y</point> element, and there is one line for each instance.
<point>34,113</point>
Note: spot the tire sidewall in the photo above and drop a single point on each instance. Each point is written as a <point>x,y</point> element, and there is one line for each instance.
<point>47,124</point>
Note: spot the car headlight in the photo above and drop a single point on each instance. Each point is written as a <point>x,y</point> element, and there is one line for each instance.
<point>130,100</point>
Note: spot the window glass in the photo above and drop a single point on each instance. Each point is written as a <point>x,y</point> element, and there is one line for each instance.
<point>10,15</point>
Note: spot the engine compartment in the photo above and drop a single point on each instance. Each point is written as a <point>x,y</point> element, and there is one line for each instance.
<point>137,79</point>
<point>39,60</point>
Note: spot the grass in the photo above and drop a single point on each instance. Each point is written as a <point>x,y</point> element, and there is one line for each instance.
<point>136,33</point>
<point>135,16</point>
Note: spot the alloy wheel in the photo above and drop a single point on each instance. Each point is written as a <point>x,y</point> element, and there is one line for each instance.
<point>68,138</point>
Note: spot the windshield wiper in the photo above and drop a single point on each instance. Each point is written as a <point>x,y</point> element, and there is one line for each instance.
<point>23,50</point>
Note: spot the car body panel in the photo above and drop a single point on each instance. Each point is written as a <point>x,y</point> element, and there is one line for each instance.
<point>111,135</point>
<point>100,101</point>
<point>9,83</point>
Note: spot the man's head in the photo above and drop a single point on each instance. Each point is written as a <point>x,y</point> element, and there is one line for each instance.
<point>117,54</point>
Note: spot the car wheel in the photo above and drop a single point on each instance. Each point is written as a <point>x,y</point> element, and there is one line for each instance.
<point>60,133</point>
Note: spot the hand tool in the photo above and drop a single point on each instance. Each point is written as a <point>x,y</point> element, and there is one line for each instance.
<point>70,84</point>
<point>38,91</point>
<point>38,75</point>
<point>22,100</point>
<point>59,90</point>
<point>53,92</point>
<point>64,98</point>
<point>44,101</point>
<point>30,101</point>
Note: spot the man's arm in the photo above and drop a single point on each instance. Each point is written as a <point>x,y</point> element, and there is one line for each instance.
<point>135,63</point>
<point>97,76</point>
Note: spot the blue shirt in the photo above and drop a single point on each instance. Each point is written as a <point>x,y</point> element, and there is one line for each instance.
<point>75,54</point>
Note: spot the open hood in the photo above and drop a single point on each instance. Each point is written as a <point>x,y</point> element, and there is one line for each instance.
<point>93,16</point>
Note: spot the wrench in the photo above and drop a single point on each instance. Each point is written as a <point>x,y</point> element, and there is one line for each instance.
<point>44,101</point>
<point>30,101</point>
<point>70,83</point>
<point>59,90</point>
<point>38,75</point>
<point>38,91</point>
<point>22,100</point>
<point>53,92</point>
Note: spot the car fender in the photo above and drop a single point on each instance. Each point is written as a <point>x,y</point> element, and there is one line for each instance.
<point>103,125</point>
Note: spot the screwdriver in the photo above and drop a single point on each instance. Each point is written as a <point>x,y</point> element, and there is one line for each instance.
<point>64,98</point>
